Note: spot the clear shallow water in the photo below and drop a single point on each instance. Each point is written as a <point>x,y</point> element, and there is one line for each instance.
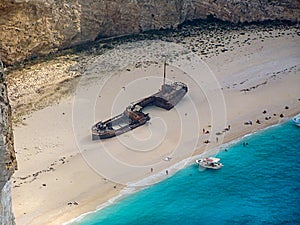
<point>259,184</point>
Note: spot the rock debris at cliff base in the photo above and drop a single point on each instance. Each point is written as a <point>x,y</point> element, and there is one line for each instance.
<point>43,81</point>
<point>32,28</point>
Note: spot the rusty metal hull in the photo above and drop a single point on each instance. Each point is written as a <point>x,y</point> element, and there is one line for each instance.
<point>133,116</point>
<point>111,132</point>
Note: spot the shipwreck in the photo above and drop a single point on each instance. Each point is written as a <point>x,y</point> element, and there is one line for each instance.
<point>133,116</point>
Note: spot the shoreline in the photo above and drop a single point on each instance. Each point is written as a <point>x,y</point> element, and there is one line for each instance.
<point>51,144</point>
<point>161,175</point>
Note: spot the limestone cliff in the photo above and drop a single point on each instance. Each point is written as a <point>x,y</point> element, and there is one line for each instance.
<point>33,27</point>
<point>7,155</point>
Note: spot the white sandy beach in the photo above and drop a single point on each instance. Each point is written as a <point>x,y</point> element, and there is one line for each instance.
<point>63,173</point>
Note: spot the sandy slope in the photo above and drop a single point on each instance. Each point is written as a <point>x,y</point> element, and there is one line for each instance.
<point>59,164</point>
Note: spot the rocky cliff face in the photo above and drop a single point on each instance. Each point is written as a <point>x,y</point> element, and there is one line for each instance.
<point>7,156</point>
<point>33,27</point>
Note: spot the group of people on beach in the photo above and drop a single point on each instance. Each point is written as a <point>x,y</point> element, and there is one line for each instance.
<point>266,118</point>
<point>218,133</point>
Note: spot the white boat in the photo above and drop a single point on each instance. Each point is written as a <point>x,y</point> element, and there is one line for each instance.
<point>210,163</point>
<point>296,120</point>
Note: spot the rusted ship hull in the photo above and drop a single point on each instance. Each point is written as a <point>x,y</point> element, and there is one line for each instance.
<point>167,97</point>
<point>105,135</point>
<point>122,127</point>
<point>133,117</point>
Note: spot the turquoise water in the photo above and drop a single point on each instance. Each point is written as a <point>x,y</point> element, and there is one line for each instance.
<point>259,184</point>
